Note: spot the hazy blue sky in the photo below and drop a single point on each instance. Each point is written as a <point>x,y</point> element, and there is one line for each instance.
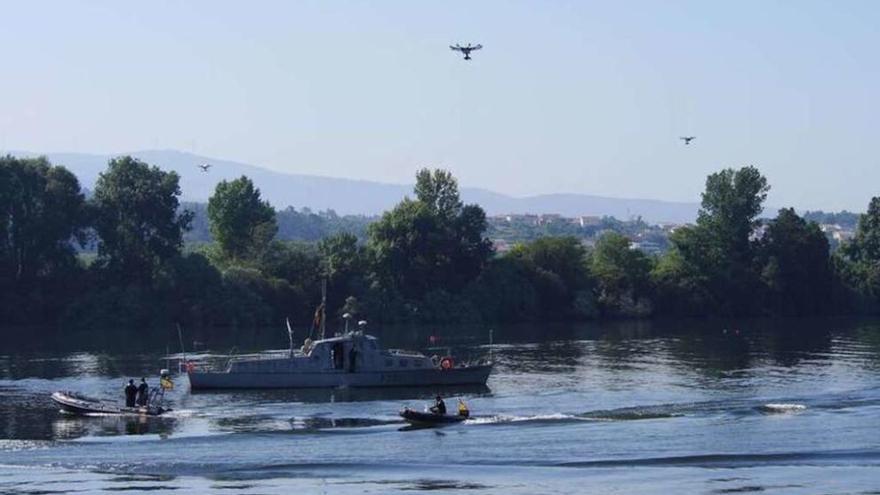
<point>578,96</point>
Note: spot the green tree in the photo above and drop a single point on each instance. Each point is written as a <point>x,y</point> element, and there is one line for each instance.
<point>42,217</point>
<point>344,266</point>
<point>191,291</point>
<point>341,255</point>
<point>299,265</point>
<point>731,203</point>
<point>137,218</point>
<point>622,276</point>
<point>559,272</point>
<point>794,261</point>
<point>241,222</point>
<point>431,243</point>
<point>438,191</point>
<point>857,264</point>
<point>42,212</point>
<point>682,278</point>
<point>865,245</point>
<point>680,287</point>
<point>717,254</point>
<point>505,292</point>
<point>564,256</point>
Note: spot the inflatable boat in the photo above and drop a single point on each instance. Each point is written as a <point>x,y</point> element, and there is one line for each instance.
<point>74,403</point>
<point>417,418</point>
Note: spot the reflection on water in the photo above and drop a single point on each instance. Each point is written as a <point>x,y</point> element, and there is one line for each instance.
<point>323,395</point>
<point>68,426</point>
<point>778,401</point>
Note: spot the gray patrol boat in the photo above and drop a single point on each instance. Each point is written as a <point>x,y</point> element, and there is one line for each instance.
<point>349,359</point>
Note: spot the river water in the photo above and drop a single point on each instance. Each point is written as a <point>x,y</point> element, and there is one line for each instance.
<point>782,406</point>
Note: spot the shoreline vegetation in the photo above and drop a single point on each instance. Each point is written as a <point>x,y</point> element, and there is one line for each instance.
<point>427,260</point>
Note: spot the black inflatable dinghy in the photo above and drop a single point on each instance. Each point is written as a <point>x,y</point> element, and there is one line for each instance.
<point>417,418</point>
<point>79,404</point>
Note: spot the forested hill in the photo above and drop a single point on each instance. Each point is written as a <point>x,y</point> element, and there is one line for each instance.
<point>347,196</point>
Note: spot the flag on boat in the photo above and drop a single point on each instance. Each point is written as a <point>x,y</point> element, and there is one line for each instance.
<point>318,312</point>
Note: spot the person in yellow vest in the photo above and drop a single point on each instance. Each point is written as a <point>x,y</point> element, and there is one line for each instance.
<point>165,382</point>
<point>463,409</point>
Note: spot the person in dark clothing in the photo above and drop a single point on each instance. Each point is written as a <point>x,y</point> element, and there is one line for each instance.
<point>439,406</point>
<point>143,392</point>
<point>338,354</point>
<point>130,394</point>
<point>352,359</point>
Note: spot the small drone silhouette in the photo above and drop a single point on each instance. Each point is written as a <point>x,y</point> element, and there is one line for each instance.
<point>687,139</point>
<point>465,49</point>
<point>205,167</point>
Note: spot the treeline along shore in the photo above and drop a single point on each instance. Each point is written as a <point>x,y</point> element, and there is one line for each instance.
<point>427,260</point>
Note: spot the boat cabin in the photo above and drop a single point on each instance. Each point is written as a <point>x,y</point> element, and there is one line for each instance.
<point>348,353</point>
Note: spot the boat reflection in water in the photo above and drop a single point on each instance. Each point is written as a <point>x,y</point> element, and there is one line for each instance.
<point>233,397</point>
<point>71,427</point>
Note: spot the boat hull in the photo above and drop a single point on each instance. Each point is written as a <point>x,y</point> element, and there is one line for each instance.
<point>474,375</point>
<point>76,404</point>
<point>423,419</point>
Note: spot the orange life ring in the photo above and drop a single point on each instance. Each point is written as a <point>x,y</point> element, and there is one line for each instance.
<point>446,363</point>
<point>190,366</point>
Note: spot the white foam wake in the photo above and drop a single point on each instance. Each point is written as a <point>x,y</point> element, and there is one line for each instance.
<point>513,419</point>
<point>783,407</point>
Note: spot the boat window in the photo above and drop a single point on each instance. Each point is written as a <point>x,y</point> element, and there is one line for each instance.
<point>389,363</point>
<point>418,364</point>
<point>403,363</point>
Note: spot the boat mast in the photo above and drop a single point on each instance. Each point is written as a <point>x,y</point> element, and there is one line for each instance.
<point>491,342</point>
<point>289,334</point>
<point>182,348</point>
<point>323,307</point>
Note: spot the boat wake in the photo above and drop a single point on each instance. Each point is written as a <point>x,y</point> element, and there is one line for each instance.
<point>8,445</point>
<point>865,457</point>
<point>633,413</point>
<point>782,408</point>
<point>638,413</point>
<point>181,413</point>
<point>537,418</point>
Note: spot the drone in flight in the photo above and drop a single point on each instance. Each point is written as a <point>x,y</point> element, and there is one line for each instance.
<point>687,139</point>
<point>465,49</point>
<point>205,167</point>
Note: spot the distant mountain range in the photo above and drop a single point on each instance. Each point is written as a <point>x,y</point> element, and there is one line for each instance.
<point>347,196</point>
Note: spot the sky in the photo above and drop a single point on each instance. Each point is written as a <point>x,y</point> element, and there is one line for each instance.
<point>565,97</point>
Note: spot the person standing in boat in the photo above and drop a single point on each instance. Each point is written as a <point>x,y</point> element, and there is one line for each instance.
<point>130,394</point>
<point>439,406</point>
<point>352,359</point>
<point>143,392</point>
